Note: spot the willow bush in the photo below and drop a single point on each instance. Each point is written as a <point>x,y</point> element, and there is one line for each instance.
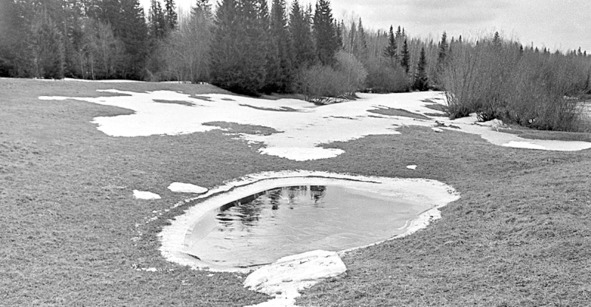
<point>500,79</point>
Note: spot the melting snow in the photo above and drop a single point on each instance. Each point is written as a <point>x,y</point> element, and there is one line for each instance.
<point>302,128</point>
<point>289,275</point>
<point>527,145</point>
<point>145,195</point>
<point>186,188</point>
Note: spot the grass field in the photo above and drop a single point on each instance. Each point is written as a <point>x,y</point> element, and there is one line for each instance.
<point>73,235</point>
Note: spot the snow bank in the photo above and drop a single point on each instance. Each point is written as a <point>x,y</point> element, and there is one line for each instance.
<point>302,128</point>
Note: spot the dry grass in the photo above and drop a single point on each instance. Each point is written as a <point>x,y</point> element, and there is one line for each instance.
<point>399,112</point>
<point>519,236</point>
<point>548,135</point>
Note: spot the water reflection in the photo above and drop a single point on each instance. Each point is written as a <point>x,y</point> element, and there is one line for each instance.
<point>248,210</point>
<point>266,226</point>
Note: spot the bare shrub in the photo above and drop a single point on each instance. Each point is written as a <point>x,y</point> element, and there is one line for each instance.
<point>321,81</point>
<point>383,78</point>
<point>352,69</point>
<point>462,81</point>
<point>537,97</point>
<point>498,79</point>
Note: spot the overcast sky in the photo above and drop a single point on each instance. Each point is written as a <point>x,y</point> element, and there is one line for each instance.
<point>556,24</point>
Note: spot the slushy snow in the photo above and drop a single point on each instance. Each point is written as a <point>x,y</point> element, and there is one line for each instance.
<point>301,128</point>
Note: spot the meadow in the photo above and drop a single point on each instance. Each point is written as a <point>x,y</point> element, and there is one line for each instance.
<point>74,235</point>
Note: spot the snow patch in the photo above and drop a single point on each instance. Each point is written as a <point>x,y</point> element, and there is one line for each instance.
<point>528,145</point>
<point>179,187</point>
<point>288,276</point>
<point>490,132</point>
<point>147,269</point>
<point>302,128</point>
<point>145,195</point>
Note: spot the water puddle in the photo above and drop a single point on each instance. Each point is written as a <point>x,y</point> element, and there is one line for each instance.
<point>263,217</point>
<point>275,223</point>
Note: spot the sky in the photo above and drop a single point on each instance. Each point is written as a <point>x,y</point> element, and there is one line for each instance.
<point>555,24</point>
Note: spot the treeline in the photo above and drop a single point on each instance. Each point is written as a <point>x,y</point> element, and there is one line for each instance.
<point>248,47</point>
<point>93,39</point>
<point>243,45</point>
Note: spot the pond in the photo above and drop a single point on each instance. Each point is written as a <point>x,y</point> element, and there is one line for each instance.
<point>257,219</point>
<point>263,227</point>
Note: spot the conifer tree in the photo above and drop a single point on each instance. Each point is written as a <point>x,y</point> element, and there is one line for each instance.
<point>339,26</point>
<point>225,44</point>
<point>443,48</point>
<point>202,8</point>
<point>325,33</point>
<point>238,59</point>
<point>391,51</point>
<point>11,31</point>
<point>280,76</point>
<point>170,15</point>
<point>441,58</point>
<point>353,39</point>
<point>133,32</point>
<point>361,42</point>
<point>421,81</point>
<point>405,60</point>
<point>47,47</point>
<point>157,22</point>
<point>301,36</point>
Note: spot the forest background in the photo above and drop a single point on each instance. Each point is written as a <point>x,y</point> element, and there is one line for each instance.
<point>251,47</point>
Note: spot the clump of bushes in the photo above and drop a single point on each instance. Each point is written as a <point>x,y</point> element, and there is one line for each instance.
<point>385,78</point>
<point>341,81</point>
<point>499,79</point>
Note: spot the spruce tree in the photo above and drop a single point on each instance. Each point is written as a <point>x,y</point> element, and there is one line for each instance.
<point>405,61</point>
<point>11,31</point>
<point>301,36</point>
<point>443,48</point>
<point>225,45</point>
<point>156,21</point>
<point>325,33</point>
<point>280,79</point>
<point>421,82</point>
<point>339,26</point>
<point>238,59</point>
<point>353,39</point>
<point>441,58</point>
<point>361,42</point>
<point>203,8</point>
<point>391,51</point>
<point>133,32</point>
<point>170,15</point>
<point>47,47</point>
<point>497,42</point>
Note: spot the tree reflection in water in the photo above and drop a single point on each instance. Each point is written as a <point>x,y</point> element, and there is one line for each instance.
<point>248,211</point>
